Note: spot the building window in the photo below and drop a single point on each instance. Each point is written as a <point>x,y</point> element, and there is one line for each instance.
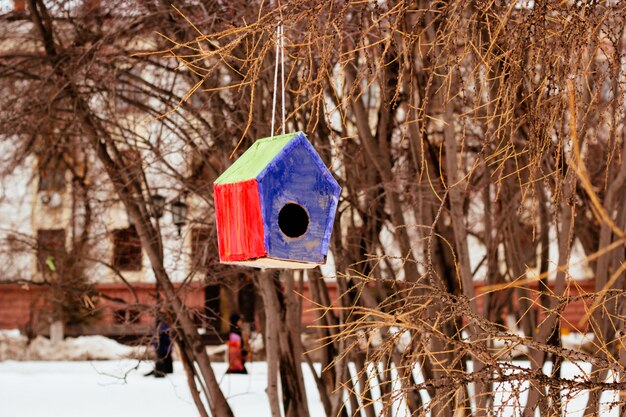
<point>126,316</point>
<point>50,249</point>
<point>52,174</point>
<point>201,255</point>
<point>212,308</point>
<point>127,249</point>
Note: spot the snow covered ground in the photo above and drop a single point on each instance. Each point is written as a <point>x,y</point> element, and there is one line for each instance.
<point>118,388</point>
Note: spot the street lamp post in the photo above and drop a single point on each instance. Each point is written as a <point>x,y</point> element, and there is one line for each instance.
<point>179,215</point>
<point>157,209</point>
<point>157,206</point>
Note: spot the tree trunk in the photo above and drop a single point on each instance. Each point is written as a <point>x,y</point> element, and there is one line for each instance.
<point>292,380</point>
<point>264,282</point>
<point>100,140</point>
<point>460,239</point>
<point>283,346</point>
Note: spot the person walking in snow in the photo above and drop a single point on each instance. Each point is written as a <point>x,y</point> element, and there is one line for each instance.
<point>236,349</point>
<point>162,344</point>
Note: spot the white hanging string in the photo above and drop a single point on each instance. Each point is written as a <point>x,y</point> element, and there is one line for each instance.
<point>280,50</point>
<point>282,72</point>
<point>275,82</point>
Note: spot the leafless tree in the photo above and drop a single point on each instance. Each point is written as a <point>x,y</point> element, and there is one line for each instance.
<point>455,128</point>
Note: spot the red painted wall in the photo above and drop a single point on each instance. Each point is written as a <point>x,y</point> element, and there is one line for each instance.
<point>17,304</point>
<point>239,221</point>
<point>21,304</point>
<point>24,307</point>
<point>571,316</point>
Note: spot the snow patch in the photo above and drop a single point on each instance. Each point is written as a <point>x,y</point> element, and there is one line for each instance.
<point>15,346</point>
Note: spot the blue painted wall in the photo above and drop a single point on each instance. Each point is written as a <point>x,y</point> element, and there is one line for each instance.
<point>298,175</point>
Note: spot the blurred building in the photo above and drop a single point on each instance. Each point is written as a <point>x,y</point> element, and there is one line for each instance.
<point>103,283</point>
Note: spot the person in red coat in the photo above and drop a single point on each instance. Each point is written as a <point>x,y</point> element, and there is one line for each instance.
<point>236,348</point>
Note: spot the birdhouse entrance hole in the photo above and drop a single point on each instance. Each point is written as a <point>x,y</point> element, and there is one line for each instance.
<point>293,220</point>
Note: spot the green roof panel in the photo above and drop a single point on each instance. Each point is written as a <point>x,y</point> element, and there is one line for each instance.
<point>251,163</point>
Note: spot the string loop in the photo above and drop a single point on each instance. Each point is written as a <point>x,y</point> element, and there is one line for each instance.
<point>280,51</point>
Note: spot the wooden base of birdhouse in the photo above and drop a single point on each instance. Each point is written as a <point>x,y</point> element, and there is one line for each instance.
<point>268,262</point>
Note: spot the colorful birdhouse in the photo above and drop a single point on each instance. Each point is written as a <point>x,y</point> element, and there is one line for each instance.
<point>275,206</point>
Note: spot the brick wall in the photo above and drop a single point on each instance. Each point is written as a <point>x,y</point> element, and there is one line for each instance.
<point>17,305</point>
<point>571,315</point>
<point>21,305</point>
